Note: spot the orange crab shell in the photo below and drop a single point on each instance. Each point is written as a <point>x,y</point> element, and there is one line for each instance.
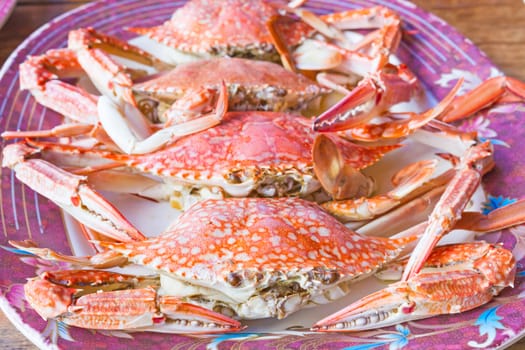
<point>263,234</point>
<point>229,27</point>
<point>250,148</point>
<point>252,84</point>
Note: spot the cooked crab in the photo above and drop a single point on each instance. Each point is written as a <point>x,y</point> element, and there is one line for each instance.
<point>252,85</point>
<point>227,28</point>
<point>247,257</point>
<point>255,258</point>
<point>324,46</point>
<point>249,153</point>
<point>88,53</point>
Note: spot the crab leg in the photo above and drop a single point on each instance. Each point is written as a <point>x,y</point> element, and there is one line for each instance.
<point>320,55</point>
<point>114,121</point>
<point>105,300</point>
<point>456,278</point>
<point>192,105</point>
<point>40,74</point>
<point>280,44</point>
<point>507,216</point>
<point>383,41</point>
<point>406,215</point>
<point>413,185</point>
<point>110,77</point>
<point>490,92</point>
<point>371,97</point>
<point>316,22</point>
<point>68,191</point>
<point>368,55</point>
<point>450,207</point>
<point>64,130</point>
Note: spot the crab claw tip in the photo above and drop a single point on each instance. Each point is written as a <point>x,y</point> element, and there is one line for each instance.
<point>383,308</point>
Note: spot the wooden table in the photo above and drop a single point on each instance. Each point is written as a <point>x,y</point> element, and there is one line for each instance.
<point>495,26</point>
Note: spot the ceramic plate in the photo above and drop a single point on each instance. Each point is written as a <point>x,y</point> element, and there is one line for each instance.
<point>434,50</point>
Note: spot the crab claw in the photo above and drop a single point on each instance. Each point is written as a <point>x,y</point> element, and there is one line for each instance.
<point>190,318</point>
<point>458,278</point>
<point>106,300</point>
<point>337,163</point>
<point>115,119</point>
<point>371,97</point>
<point>399,125</point>
<point>69,191</point>
<point>352,110</point>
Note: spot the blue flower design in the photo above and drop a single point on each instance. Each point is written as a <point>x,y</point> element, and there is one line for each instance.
<point>495,142</point>
<point>489,323</point>
<point>494,203</point>
<point>17,251</point>
<point>395,340</point>
<point>398,340</point>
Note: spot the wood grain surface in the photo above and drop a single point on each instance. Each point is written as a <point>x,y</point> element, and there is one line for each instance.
<point>496,26</point>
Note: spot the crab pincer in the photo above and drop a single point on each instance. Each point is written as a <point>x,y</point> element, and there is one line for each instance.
<point>373,97</point>
<point>106,300</point>
<point>71,192</point>
<point>456,278</point>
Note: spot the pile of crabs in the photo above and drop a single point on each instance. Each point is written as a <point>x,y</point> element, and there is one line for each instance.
<point>262,138</point>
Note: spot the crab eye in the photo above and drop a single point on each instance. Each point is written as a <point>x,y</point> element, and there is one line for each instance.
<point>324,276</point>
<point>330,277</point>
<point>234,279</point>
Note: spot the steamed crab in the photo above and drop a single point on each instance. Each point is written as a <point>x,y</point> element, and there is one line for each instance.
<point>253,258</point>
<point>249,153</point>
<point>325,47</point>
<point>271,158</point>
<point>256,258</point>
